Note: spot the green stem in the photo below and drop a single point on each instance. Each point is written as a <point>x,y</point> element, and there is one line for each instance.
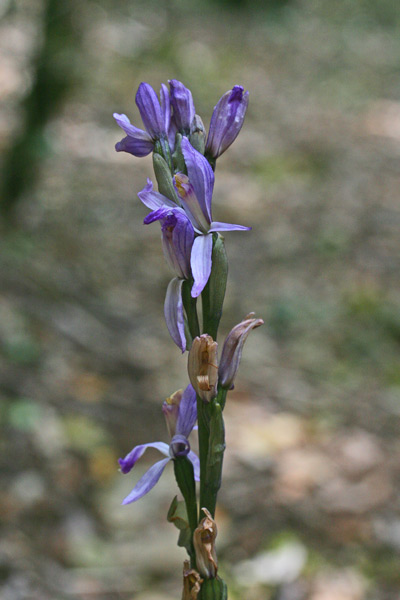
<point>213,589</point>
<point>215,455</point>
<point>203,419</point>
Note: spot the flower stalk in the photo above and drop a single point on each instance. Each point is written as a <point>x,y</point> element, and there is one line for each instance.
<point>184,160</point>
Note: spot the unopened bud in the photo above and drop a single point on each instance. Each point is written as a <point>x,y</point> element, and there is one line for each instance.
<point>204,546</point>
<point>170,409</point>
<point>197,135</point>
<point>164,178</point>
<point>203,367</point>
<point>232,349</point>
<point>191,582</point>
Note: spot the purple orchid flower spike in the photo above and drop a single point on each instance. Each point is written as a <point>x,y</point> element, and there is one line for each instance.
<point>178,447</point>
<point>226,121</point>
<point>156,118</point>
<point>182,105</point>
<point>177,236</point>
<point>195,191</point>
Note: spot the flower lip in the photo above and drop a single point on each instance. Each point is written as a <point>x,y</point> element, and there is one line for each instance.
<point>179,446</point>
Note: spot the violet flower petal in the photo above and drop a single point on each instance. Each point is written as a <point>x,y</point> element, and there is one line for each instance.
<point>182,104</point>
<point>200,262</point>
<point>137,142</point>
<point>187,415</point>
<point>147,482</point>
<point>157,215</point>
<point>130,129</point>
<point>165,107</point>
<point>133,456</point>
<point>194,459</point>
<point>216,226</point>
<point>201,177</point>
<point>150,110</point>
<point>153,199</point>
<point>173,312</point>
<point>134,146</point>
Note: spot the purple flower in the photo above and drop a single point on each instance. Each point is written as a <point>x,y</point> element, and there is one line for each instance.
<point>182,105</point>
<point>177,238</point>
<point>178,447</point>
<point>195,191</point>
<point>156,118</point>
<point>226,121</point>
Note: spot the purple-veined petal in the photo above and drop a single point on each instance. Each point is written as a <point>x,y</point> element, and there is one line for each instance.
<point>201,177</point>
<point>200,262</point>
<point>150,110</point>
<point>182,104</point>
<point>227,120</point>
<point>134,146</point>
<point>133,456</point>
<point>157,215</point>
<point>179,446</point>
<point>173,312</point>
<point>190,203</point>
<point>165,107</point>
<point>137,142</point>
<point>216,226</point>
<point>194,459</point>
<point>187,415</point>
<point>147,482</point>
<point>153,199</point>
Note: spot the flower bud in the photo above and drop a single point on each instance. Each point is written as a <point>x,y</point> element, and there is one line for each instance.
<point>170,409</point>
<point>203,367</point>
<point>191,582</point>
<point>204,546</point>
<point>164,178</point>
<point>226,121</point>
<point>232,350</point>
<point>197,135</point>
<point>182,104</point>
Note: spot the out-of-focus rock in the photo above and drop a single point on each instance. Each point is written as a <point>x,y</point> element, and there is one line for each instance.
<point>343,496</point>
<point>338,585</point>
<point>357,452</point>
<point>275,567</point>
<point>299,471</point>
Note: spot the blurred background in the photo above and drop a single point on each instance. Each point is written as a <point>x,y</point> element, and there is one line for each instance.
<point>310,504</point>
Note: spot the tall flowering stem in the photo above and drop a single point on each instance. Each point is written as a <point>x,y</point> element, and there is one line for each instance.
<point>184,161</point>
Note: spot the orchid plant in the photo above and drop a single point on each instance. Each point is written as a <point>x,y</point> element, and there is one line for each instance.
<point>184,160</point>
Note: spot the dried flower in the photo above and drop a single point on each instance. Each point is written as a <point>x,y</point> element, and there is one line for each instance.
<point>203,366</point>
<point>232,349</point>
<point>204,546</point>
<point>191,582</point>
